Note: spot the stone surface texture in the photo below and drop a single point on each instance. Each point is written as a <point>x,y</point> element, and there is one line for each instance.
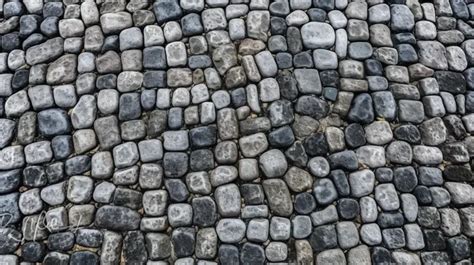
<point>153,132</point>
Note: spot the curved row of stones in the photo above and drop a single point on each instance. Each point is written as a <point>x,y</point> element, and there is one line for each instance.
<point>217,131</point>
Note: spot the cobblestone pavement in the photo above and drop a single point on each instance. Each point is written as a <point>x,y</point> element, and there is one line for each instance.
<point>236,131</point>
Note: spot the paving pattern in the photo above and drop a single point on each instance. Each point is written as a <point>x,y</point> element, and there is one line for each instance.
<point>236,132</point>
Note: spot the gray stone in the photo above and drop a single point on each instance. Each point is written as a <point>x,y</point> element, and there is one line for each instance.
<point>411,111</point>
<point>324,191</point>
<point>414,237</point>
<point>308,81</point>
<point>273,163</point>
<point>387,197</point>
<point>378,133</point>
<point>180,214</point>
<point>103,192</point>
<point>433,131</point>
<point>125,154</point>
<point>278,196</point>
<point>107,132</point>
<point>63,70</point>
<point>30,202</point>
<point>176,140</point>
<point>298,180</point>
<point>253,145</point>
<point>258,23</point>
<point>257,230</point>
<point>409,206</point>
<point>302,226</point>
<point>331,255</point>
<point>371,234</point>
<point>17,104</point>
<point>347,234</point>
<point>7,128</point>
<point>228,200</point>
<point>324,216</point>
<point>230,230</point>
<point>459,192</point>
<point>276,251</point>
<point>402,18</point>
<point>79,189</point>
<point>115,22</point>
<point>84,113</point>
<point>266,64</point>
<point>432,54</point>
<point>317,35</point>
<point>362,182</point>
<point>399,152</point>
<point>38,152</point>
<point>45,52</point>
<point>12,157</point>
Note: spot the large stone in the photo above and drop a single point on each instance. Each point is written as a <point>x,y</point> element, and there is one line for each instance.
<point>12,157</point>
<point>432,54</point>
<point>9,209</point>
<point>230,230</point>
<point>402,18</point>
<point>45,52</point>
<point>258,23</point>
<point>84,113</point>
<point>228,200</point>
<point>53,122</point>
<point>278,197</point>
<point>362,110</point>
<point>117,218</point>
<point>7,128</point>
<point>253,145</point>
<point>451,82</point>
<point>308,81</point>
<point>298,179</point>
<point>317,35</point>
<point>115,22</point>
<point>224,58</point>
<point>387,197</point>
<point>273,163</point>
<point>312,106</point>
<point>166,10</point>
<point>324,191</point>
<point>63,70</point>
<point>9,180</point>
